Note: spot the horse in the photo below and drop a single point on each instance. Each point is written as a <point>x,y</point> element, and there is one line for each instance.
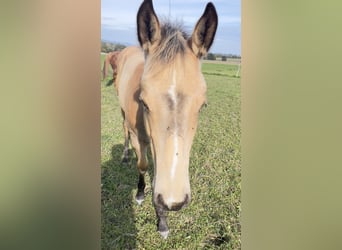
<point>111,58</point>
<point>161,91</point>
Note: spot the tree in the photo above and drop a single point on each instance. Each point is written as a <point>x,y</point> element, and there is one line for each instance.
<point>109,47</point>
<point>224,58</point>
<point>211,56</point>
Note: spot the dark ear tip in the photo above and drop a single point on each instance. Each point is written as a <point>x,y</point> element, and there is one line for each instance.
<point>211,10</point>
<point>210,5</point>
<point>147,2</point>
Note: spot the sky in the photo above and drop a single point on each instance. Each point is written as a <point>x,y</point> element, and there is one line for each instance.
<point>118,20</point>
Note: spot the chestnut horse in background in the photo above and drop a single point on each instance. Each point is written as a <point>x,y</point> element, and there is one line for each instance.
<point>161,90</point>
<point>111,58</point>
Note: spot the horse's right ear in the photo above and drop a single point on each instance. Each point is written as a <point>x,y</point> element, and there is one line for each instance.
<point>148,25</point>
<point>204,32</point>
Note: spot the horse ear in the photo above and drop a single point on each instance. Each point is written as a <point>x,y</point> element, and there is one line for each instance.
<point>204,32</point>
<point>148,25</point>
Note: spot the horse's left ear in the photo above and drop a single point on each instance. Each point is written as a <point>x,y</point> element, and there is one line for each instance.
<point>148,25</point>
<point>204,32</point>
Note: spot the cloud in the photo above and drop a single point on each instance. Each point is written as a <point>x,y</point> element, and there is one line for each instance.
<point>117,23</point>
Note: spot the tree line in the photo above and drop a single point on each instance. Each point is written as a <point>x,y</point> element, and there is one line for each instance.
<point>222,57</point>
<point>107,47</point>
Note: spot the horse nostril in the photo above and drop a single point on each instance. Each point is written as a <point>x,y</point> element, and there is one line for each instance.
<point>171,206</point>
<point>177,206</point>
<point>160,202</point>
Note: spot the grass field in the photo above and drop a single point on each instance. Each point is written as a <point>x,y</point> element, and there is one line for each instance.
<point>212,220</point>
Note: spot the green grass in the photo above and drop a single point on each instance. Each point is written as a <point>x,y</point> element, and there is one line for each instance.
<point>220,69</point>
<point>212,220</point>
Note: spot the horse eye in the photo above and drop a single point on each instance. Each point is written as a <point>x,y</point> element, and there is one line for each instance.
<point>145,107</point>
<point>144,104</point>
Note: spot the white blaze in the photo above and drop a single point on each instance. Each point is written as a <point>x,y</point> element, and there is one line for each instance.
<point>173,95</point>
<point>172,89</point>
<point>175,157</point>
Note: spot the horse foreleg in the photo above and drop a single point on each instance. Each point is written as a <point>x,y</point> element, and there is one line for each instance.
<point>141,189</point>
<point>125,153</point>
<point>142,164</point>
<point>126,131</point>
<point>163,229</point>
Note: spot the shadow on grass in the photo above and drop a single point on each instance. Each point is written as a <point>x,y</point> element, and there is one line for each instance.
<point>109,82</point>
<point>117,214</point>
<point>119,187</point>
